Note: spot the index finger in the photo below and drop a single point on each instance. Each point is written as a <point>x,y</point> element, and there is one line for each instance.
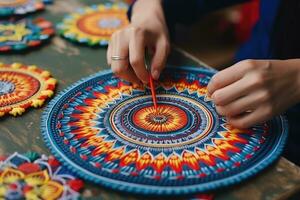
<point>226,77</point>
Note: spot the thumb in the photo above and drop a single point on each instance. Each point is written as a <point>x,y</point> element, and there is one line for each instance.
<point>159,58</point>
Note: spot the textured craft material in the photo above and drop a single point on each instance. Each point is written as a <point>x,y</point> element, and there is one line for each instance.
<point>19,7</point>
<point>94,25</point>
<point>22,87</point>
<point>34,177</point>
<point>16,35</point>
<point>108,132</point>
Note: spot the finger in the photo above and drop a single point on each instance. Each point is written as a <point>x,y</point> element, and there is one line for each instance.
<point>240,105</point>
<point>159,58</point>
<point>233,91</point>
<point>129,75</point>
<point>108,54</point>
<point>227,76</point>
<point>119,47</point>
<point>137,55</point>
<point>260,115</point>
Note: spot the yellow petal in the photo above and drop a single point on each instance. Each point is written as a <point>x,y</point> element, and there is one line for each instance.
<point>10,175</point>
<point>51,190</point>
<point>51,81</point>
<point>32,67</point>
<point>48,93</point>
<point>45,74</point>
<point>37,103</point>
<point>17,111</point>
<point>37,178</point>
<point>16,65</point>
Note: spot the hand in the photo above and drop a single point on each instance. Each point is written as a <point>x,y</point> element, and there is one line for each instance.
<point>253,91</point>
<point>147,30</point>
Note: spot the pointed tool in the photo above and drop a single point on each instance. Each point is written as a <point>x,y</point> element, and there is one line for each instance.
<point>151,82</point>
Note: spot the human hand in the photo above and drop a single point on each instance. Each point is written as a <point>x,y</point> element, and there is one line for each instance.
<point>148,29</point>
<point>253,91</point>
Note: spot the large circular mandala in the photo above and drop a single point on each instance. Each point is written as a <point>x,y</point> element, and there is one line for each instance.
<point>31,176</point>
<point>22,87</point>
<point>19,7</point>
<point>94,25</point>
<point>108,132</point>
<point>25,33</point>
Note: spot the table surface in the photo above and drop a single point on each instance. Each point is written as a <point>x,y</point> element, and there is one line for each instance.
<point>70,62</point>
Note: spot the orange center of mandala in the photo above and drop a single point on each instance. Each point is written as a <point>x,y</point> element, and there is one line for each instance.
<point>166,118</point>
<point>102,23</point>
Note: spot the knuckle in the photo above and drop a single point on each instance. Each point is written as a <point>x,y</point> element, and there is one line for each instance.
<point>249,63</point>
<point>215,81</point>
<point>221,110</point>
<point>138,31</point>
<point>118,70</point>
<point>265,96</point>
<point>218,98</point>
<point>268,111</point>
<point>257,81</point>
<point>135,61</point>
<point>242,124</point>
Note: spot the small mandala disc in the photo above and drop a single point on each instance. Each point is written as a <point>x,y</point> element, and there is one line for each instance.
<point>94,25</point>
<point>22,87</point>
<point>19,7</point>
<point>16,35</point>
<point>31,176</point>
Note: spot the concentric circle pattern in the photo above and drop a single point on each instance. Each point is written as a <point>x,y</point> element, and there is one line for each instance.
<point>94,25</point>
<point>108,132</point>
<point>19,7</point>
<point>16,35</point>
<point>23,86</point>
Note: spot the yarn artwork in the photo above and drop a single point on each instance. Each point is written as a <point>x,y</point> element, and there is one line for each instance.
<point>31,176</point>
<point>19,7</point>
<point>22,87</point>
<point>16,35</point>
<point>94,25</point>
<point>108,132</point>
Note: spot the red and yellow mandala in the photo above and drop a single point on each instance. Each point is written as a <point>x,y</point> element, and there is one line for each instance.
<point>94,25</point>
<point>22,87</point>
<point>166,118</point>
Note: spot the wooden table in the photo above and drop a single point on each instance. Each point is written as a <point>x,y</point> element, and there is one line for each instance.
<point>68,63</point>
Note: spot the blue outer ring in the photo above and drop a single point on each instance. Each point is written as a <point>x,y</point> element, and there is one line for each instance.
<point>271,157</point>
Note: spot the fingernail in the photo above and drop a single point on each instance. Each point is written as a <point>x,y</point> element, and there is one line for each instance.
<point>155,74</point>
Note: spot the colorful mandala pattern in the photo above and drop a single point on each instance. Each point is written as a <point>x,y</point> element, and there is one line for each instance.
<point>34,177</point>
<point>94,25</point>
<point>25,33</point>
<point>19,7</point>
<point>22,87</point>
<point>107,131</point>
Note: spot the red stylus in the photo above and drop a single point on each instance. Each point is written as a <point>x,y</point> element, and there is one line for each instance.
<point>153,93</point>
<point>151,82</point>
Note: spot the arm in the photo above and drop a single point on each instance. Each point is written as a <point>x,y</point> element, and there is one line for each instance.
<point>253,91</point>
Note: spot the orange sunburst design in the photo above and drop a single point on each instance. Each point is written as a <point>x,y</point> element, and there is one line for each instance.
<point>23,86</point>
<point>85,129</point>
<point>94,25</point>
<point>165,119</point>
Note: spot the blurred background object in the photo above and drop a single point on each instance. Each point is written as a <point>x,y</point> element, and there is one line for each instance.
<point>216,37</point>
